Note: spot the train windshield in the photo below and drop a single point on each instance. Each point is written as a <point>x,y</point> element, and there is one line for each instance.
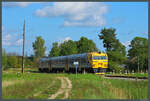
<point>99,57</point>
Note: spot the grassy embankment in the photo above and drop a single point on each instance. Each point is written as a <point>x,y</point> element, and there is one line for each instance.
<point>33,85</point>
<point>130,74</point>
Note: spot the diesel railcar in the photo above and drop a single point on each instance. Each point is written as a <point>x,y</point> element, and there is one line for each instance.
<point>96,62</point>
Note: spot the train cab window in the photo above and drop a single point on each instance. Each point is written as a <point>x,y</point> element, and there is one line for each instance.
<point>99,57</point>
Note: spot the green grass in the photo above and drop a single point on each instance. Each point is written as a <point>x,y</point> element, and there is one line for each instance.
<point>132,89</point>
<point>91,86</point>
<point>33,82</point>
<point>88,86</point>
<point>131,74</point>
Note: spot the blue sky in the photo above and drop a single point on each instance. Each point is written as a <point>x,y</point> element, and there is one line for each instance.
<point>63,21</point>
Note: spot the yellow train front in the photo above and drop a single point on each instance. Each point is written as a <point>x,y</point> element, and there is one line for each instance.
<point>96,62</point>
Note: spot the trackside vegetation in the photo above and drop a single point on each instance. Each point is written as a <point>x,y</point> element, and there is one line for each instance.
<point>35,85</point>
<point>135,60</point>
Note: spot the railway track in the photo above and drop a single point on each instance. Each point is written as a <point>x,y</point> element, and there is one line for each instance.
<point>125,77</point>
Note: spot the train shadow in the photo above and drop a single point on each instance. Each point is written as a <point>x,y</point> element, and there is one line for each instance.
<point>36,71</point>
<point>55,71</point>
<point>72,72</point>
<point>32,71</point>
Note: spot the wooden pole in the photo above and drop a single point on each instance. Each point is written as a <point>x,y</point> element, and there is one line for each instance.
<point>149,45</point>
<point>138,65</point>
<point>23,48</point>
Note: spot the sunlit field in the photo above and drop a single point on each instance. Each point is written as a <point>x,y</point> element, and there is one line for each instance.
<point>35,85</point>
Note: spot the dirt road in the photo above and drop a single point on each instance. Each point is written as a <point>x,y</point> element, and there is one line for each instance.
<point>65,88</point>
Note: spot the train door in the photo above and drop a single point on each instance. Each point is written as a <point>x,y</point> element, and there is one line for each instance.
<point>49,66</point>
<point>67,64</point>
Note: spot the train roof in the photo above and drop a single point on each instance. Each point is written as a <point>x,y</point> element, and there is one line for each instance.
<point>62,57</point>
<point>44,59</point>
<point>82,55</point>
<point>98,53</point>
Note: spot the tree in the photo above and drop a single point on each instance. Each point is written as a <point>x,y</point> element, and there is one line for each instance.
<point>68,47</point>
<point>119,47</point>
<point>19,61</point>
<point>115,49</point>
<point>138,54</point>
<point>55,51</point>
<point>4,59</point>
<point>12,62</point>
<point>28,62</point>
<point>39,48</point>
<point>109,37</point>
<point>85,45</point>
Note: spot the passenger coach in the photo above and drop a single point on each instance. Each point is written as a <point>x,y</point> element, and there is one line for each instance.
<point>96,62</point>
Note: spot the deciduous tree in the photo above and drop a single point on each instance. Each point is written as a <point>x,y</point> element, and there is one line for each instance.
<point>115,49</point>
<point>109,37</point>
<point>85,45</point>
<point>39,48</point>
<point>4,59</point>
<point>55,51</point>
<point>68,47</point>
<point>138,53</point>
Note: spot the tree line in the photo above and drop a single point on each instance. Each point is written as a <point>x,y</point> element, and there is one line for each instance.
<point>13,60</point>
<point>69,47</point>
<point>119,60</point>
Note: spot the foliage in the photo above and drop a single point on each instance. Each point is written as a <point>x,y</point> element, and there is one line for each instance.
<point>114,48</point>
<point>85,45</point>
<point>28,63</point>
<point>68,47</point>
<point>39,48</point>
<point>115,67</point>
<point>138,52</point>
<point>12,62</point>
<point>109,37</point>
<point>55,51</point>
<point>19,61</point>
<point>4,59</point>
<point>119,48</point>
<point>116,56</point>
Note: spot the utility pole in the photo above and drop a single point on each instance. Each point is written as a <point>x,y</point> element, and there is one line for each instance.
<point>138,64</point>
<point>23,48</point>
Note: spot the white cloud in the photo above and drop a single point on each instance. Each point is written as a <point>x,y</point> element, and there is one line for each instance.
<point>76,13</point>
<point>127,43</point>
<point>11,40</point>
<point>8,37</point>
<point>19,4</point>
<point>16,4</point>
<point>61,40</point>
<point>6,40</point>
<point>19,42</point>
<point>47,52</point>
<point>67,38</point>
